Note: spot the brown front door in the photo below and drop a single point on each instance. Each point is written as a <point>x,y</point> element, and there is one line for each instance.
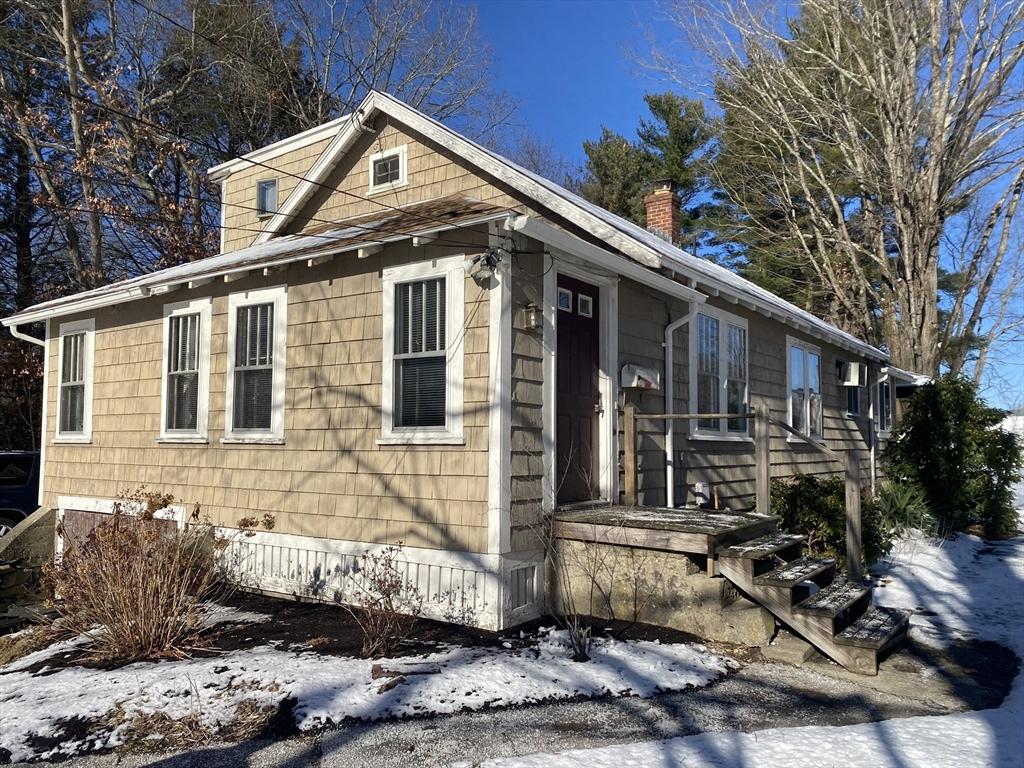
<point>579,398</point>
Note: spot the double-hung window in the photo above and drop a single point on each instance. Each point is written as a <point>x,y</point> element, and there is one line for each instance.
<point>718,357</point>
<point>257,323</point>
<point>186,371</point>
<point>74,385</point>
<point>423,331</point>
<point>805,401</point>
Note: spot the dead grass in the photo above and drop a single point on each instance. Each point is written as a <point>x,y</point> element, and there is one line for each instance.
<point>21,644</point>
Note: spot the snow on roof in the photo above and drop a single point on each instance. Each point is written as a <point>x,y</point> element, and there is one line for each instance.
<point>908,377</point>
<point>448,212</point>
<point>634,241</point>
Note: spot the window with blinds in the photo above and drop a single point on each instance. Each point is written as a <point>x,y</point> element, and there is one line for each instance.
<point>183,372</point>
<point>254,367</point>
<point>420,377</point>
<point>72,384</point>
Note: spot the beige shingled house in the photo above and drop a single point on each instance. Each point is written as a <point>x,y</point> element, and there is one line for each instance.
<point>407,338</point>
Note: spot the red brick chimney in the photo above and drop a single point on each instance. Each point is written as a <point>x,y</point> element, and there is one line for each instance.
<point>664,214</point>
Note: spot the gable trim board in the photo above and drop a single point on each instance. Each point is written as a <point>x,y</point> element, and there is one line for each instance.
<point>638,244</point>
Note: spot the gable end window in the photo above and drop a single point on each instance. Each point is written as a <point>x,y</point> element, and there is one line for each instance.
<point>388,169</point>
<point>266,197</point>
<point>257,326</point>
<point>804,376</point>
<point>422,374</point>
<point>74,385</point>
<point>186,370</point>
<point>718,361</point>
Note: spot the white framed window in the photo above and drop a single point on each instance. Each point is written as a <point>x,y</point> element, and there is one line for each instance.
<point>257,331</point>
<point>388,169</point>
<point>803,375</point>
<point>718,365</point>
<point>77,346</point>
<point>266,197</point>
<point>422,377</point>
<point>884,407</point>
<point>186,371</point>
<point>565,299</point>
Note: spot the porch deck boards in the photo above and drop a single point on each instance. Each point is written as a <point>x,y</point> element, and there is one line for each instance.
<point>689,530</point>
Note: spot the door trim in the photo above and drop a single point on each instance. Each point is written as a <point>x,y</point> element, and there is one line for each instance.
<point>559,263</point>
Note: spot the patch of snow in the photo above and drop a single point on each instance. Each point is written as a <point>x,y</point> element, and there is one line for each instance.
<point>215,613</point>
<point>331,689</point>
<point>1015,423</point>
<point>962,588</point>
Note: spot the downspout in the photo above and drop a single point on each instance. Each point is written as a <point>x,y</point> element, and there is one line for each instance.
<point>670,401</point>
<point>25,337</point>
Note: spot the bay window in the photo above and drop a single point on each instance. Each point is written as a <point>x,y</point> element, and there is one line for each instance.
<point>805,401</point>
<point>718,362</point>
<point>422,373</point>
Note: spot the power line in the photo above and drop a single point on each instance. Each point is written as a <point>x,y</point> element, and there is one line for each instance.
<point>337,223</point>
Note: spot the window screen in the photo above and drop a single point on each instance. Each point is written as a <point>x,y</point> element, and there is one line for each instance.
<point>72,384</point>
<point>254,367</point>
<point>420,357</point>
<point>183,372</point>
<point>707,370</point>
<point>386,170</point>
<point>266,197</point>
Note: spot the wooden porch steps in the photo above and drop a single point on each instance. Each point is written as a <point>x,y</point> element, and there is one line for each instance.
<point>833,614</point>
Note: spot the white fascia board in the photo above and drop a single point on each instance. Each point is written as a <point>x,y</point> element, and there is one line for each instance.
<point>135,291</point>
<point>559,238</point>
<point>270,151</point>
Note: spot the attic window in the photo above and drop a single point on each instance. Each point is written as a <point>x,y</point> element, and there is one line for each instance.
<point>266,197</point>
<point>388,169</point>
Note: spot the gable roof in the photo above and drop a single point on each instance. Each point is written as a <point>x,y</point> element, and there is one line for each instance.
<point>631,240</point>
<point>348,235</point>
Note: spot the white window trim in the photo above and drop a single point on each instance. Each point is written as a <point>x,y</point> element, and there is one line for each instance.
<point>277,294</point>
<point>277,202</point>
<point>88,326</point>
<point>725,319</point>
<point>403,169</point>
<point>204,308</point>
<point>884,432</point>
<point>859,413</point>
<point>453,270</point>
<point>794,343</point>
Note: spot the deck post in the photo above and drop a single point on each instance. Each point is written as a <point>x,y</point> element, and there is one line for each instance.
<point>762,458</point>
<point>853,538</point>
<point>629,449</point>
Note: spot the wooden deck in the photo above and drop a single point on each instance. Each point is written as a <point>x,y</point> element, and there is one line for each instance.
<point>688,530</point>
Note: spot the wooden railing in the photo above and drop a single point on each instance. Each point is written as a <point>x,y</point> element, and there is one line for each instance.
<point>762,466</point>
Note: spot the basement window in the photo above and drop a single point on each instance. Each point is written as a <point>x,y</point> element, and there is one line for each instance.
<point>388,169</point>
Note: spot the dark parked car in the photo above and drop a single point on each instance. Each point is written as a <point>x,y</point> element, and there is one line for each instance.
<point>19,487</point>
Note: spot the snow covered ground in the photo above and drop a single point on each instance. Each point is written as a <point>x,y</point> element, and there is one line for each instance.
<point>326,689</point>
<point>962,588</point>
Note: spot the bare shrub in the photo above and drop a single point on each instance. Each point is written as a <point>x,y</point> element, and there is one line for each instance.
<point>384,604</point>
<point>136,583</point>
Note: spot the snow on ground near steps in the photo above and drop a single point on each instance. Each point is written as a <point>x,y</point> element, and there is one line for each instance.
<point>330,689</point>
<point>974,589</point>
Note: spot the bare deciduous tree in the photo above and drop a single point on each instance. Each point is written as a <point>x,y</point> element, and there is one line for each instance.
<point>875,130</point>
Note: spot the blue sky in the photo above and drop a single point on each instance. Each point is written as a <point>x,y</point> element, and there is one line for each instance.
<point>570,65</point>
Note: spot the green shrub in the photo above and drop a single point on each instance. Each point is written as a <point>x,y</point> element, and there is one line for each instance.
<point>815,507</point>
<point>948,444</point>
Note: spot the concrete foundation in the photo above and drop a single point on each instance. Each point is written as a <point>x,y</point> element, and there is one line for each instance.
<point>666,589</point>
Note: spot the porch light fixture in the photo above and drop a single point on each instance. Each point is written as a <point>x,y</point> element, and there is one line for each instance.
<point>532,317</point>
